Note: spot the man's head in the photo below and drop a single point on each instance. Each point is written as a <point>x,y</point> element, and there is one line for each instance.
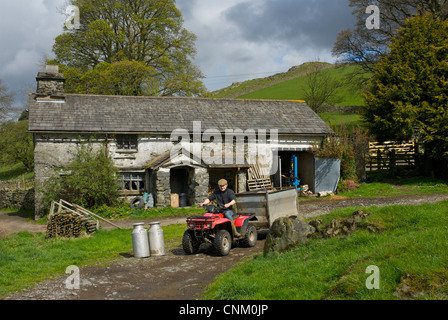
<point>222,184</point>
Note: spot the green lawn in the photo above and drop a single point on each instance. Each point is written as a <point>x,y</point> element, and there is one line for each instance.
<point>11,172</point>
<point>404,186</point>
<point>336,120</point>
<point>26,258</point>
<point>412,246</point>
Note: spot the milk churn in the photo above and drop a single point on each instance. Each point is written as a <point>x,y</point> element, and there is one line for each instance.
<point>156,242</point>
<point>140,241</point>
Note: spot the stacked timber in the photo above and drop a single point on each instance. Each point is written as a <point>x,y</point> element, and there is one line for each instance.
<point>66,224</point>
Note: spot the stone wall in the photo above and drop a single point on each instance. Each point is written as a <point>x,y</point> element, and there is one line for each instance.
<point>163,195</point>
<point>17,199</point>
<point>197,188</point>
<point>201,180</point>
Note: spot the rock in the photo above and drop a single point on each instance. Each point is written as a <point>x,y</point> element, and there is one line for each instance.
<point>344,226</point>
<point>287,233</point>
<point>412,287</point>
<point>315,223</point>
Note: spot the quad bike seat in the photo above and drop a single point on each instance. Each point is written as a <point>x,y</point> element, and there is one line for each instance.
<point>214,209</point>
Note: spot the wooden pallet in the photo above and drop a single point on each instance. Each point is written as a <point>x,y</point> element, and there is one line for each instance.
<point>259,184</point>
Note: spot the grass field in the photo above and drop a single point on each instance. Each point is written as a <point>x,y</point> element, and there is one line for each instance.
<point>294,89</point>
<point>401,187</point>
<point>410,253</point>
<point>290,86</point>
<point>26,258</point>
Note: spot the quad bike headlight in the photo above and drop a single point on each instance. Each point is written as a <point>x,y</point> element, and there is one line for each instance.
<point>208,225</point>
<point>191,225</point>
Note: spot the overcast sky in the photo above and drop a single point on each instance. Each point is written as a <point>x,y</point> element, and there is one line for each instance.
<point>237,39</point>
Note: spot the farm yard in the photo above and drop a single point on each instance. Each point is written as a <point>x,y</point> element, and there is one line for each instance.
<point>410,216</point>
<point>109,270</point>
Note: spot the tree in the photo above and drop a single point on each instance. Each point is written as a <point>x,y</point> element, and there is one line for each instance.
<point>320,86</point>
<point>118,78</point>
<point>409,89</point>
<point>6,99</point>
<point>365,46</point>
<point>115,35</point>
<point>91,179</point>
<point>16,144</point>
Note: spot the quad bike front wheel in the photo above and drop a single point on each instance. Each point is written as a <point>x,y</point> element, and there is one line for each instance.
<point>189,243</point>
<point>222,242</point>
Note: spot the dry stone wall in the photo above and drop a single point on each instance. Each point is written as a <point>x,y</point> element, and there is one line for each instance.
<point>17,195</point>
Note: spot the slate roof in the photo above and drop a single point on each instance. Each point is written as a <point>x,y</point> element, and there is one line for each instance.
<point>123,114</point>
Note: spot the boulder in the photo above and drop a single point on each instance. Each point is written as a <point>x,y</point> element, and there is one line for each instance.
<point>287,233</point>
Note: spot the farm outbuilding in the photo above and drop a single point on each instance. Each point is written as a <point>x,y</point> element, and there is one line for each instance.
<point>166,145</point>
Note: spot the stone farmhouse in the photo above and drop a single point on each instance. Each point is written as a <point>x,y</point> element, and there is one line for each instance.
<point>166,145</point>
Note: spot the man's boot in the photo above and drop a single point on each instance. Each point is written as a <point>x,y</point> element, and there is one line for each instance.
<point>235,232</point>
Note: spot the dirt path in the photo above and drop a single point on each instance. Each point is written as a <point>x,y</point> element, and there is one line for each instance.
<point>174,276</point>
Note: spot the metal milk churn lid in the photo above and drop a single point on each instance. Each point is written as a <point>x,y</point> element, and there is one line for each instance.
<point>140,241</point>
<point>156,241</point>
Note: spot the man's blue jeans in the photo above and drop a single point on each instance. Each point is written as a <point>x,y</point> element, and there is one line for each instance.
<point>228,214</point>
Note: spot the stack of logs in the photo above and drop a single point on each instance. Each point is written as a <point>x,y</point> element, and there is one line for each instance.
<point>66,224</point>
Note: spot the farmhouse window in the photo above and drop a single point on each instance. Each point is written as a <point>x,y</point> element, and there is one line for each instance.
<point>132,181</point>
<point>127,142</point>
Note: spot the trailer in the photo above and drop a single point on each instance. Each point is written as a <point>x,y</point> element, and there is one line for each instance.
<point>269,205</point>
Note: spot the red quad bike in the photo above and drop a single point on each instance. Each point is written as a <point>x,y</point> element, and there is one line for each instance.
<point>216,229</point>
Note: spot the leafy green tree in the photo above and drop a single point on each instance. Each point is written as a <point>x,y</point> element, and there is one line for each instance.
<point>16,144</point>
<point>90,180</point>
<point>409,89</point>
<point>118,35</point>
<point>129,78</point>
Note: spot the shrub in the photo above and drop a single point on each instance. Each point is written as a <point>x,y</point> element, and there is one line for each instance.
<point>351,146</point>
<point>90,180</point>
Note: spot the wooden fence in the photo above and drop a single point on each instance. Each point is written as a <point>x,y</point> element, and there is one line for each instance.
<point>389,155</point>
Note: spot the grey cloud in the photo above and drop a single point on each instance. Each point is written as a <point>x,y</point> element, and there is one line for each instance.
<point>27,31</point>
<point>295,23</point>
<point>187,8</point>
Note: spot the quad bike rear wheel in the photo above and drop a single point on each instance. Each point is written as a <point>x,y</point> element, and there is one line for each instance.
<point>189,243</point>
<point>222,242</point>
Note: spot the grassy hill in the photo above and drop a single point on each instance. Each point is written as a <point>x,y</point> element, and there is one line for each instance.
<point>290,85</point>
<point>408,245</point>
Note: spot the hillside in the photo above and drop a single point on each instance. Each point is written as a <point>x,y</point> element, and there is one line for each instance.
<point>406,244</point>
<point>290,85</point>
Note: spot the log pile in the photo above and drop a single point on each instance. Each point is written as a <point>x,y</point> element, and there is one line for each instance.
<point>66,224</point>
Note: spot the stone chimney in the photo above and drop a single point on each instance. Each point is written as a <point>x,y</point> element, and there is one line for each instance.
<point>50,84</point>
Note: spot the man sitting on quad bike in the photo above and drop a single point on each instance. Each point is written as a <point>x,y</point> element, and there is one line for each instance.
<point>226,199</point>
